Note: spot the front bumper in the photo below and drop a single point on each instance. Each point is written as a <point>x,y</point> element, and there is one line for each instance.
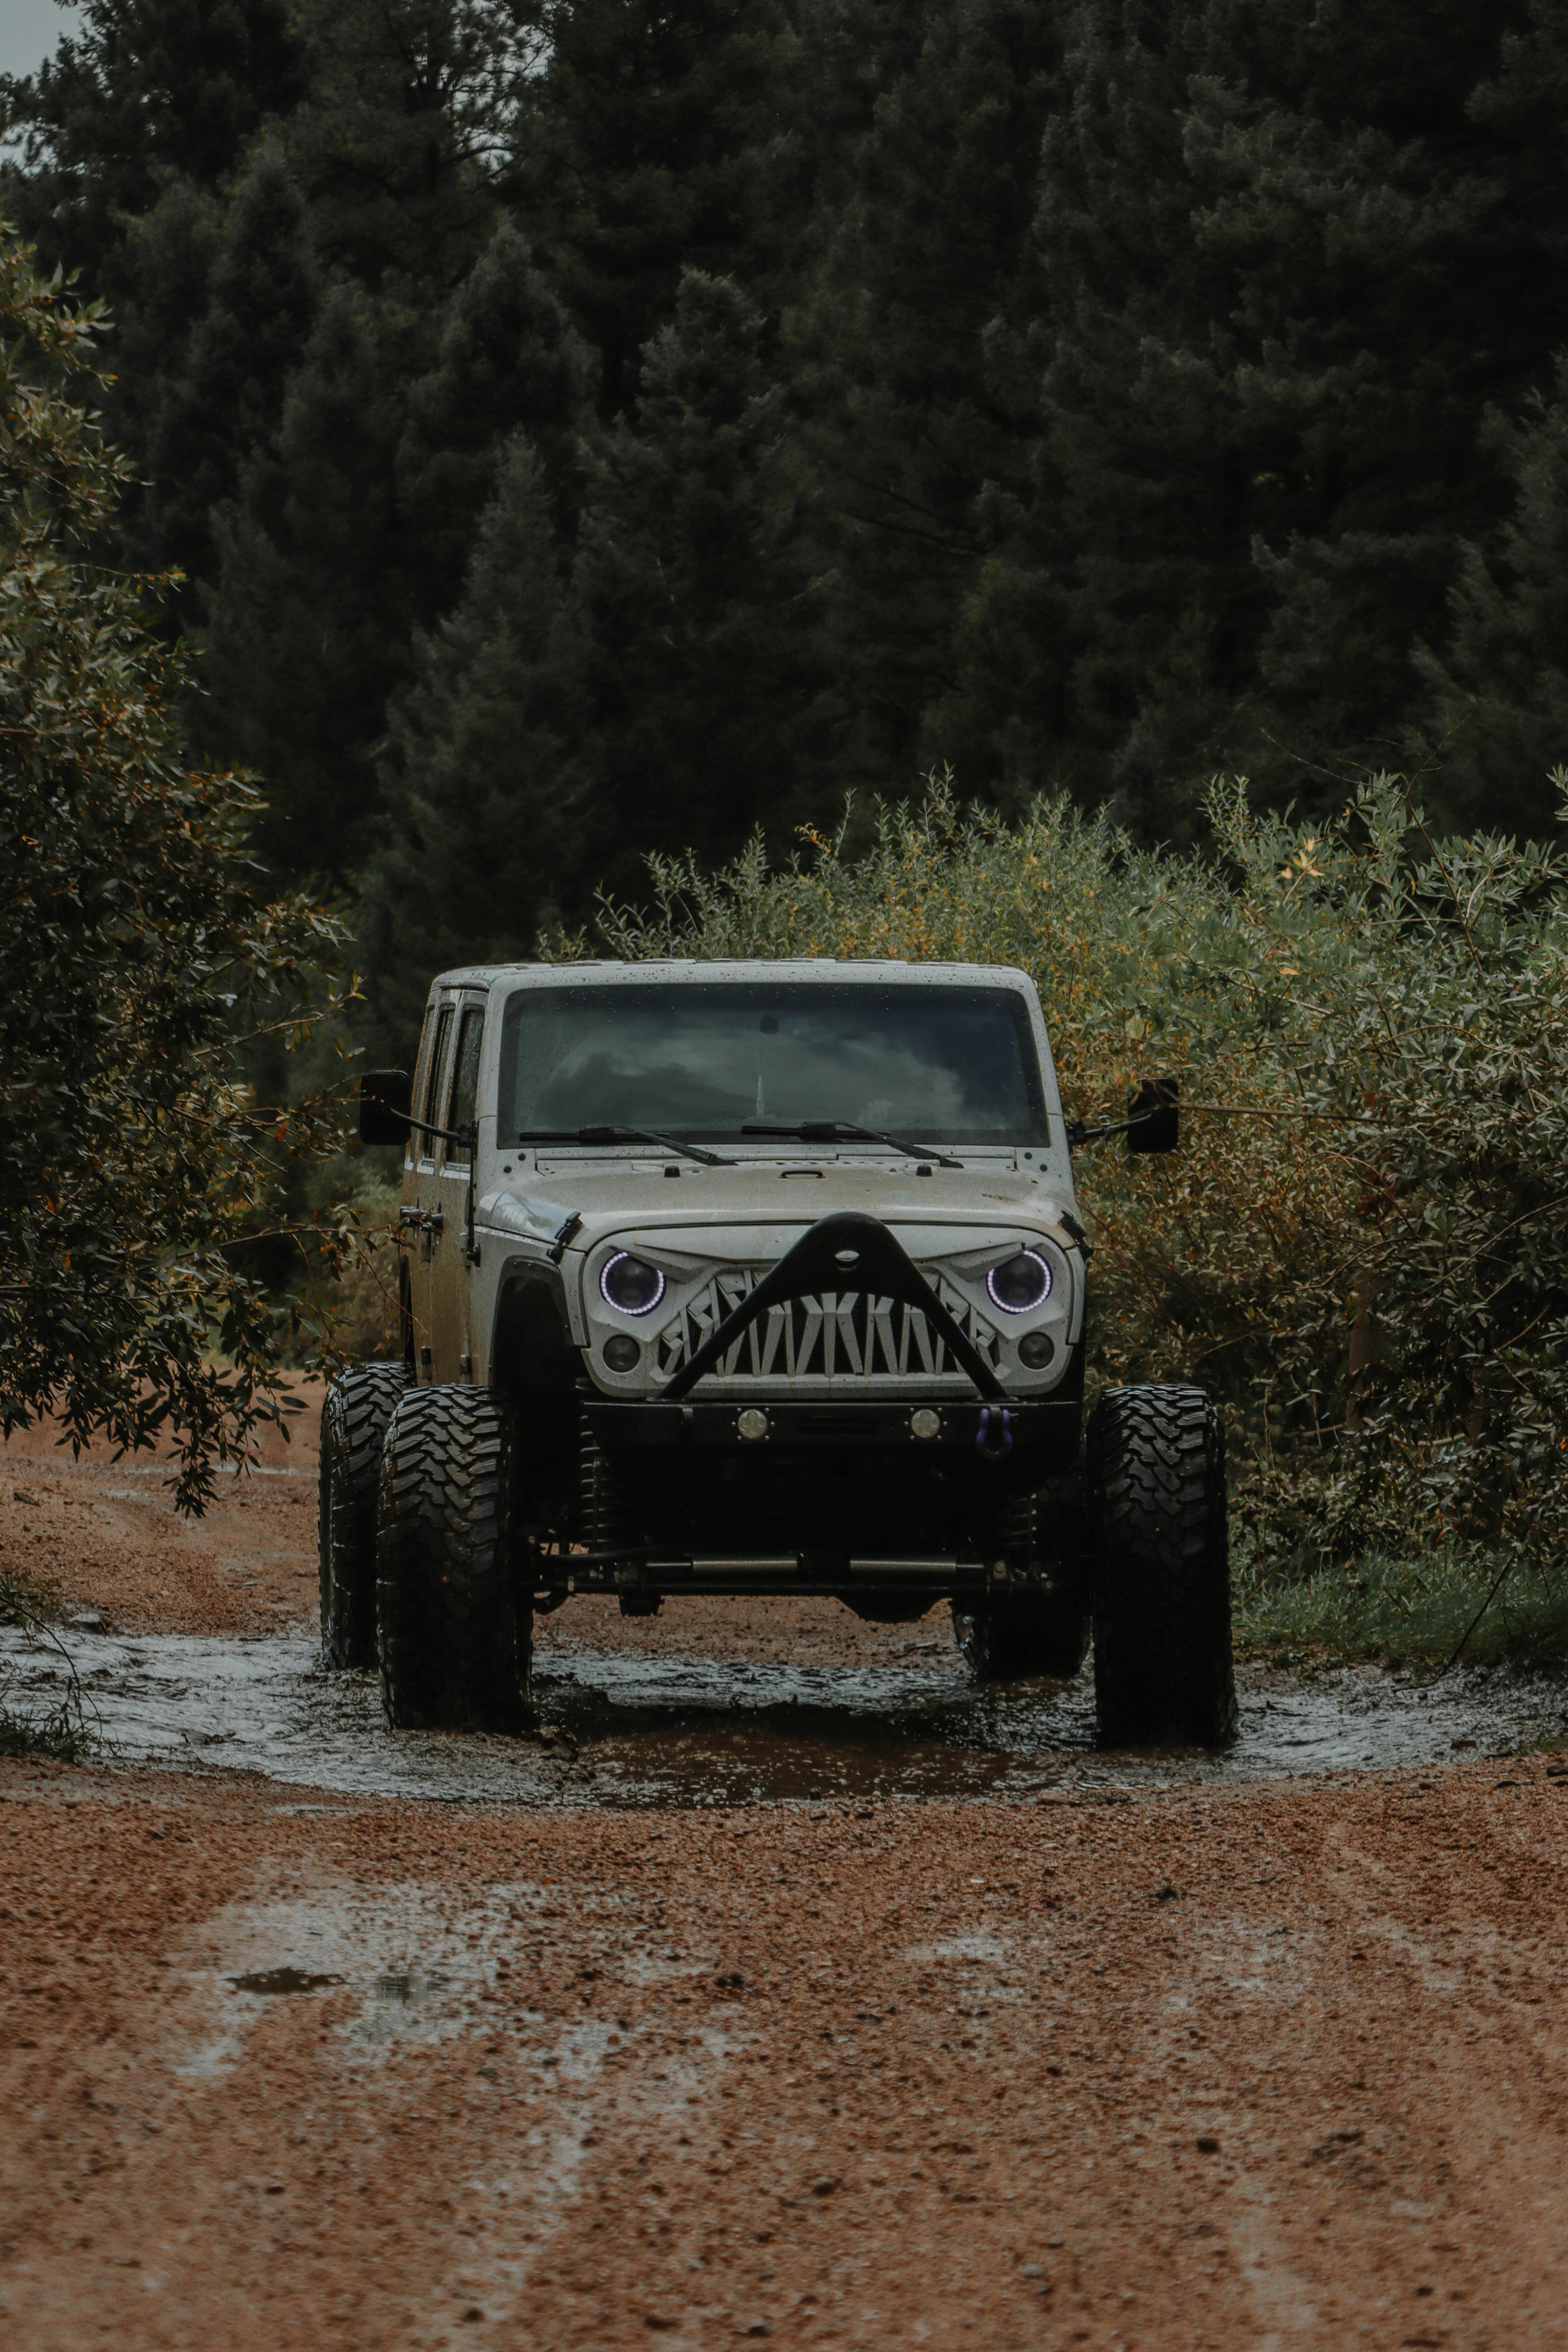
<point>844,1478</point>
<point>1031,1441</point>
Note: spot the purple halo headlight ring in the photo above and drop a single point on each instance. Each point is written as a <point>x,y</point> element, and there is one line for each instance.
<point>1020,1283</point>
<point>631,1285</point>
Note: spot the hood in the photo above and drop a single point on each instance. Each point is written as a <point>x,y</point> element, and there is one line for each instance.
<point>766,1197</point>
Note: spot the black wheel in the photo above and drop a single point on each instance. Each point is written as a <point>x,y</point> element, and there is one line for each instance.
<point>454,1623</point>
<point>359,1405</point>
<point>1040,1634</point>
<point>1162,1667</point>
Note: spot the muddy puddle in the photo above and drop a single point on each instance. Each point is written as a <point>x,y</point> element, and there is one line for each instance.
<point>619,1729</point>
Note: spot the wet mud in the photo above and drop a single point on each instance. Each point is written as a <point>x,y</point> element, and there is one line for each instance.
<point>616,1728</point>
<point>611,2035</point>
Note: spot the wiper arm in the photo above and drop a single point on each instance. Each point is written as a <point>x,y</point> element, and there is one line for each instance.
<point>828,1130</point>
<point>625,1135</point>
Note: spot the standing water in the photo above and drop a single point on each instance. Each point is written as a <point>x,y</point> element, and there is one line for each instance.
<point>618,1729</point>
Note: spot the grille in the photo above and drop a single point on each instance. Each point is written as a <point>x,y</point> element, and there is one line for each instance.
<point>846,1335</point>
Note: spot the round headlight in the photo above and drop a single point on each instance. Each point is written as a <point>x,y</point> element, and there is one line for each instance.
<point>631,1285</point>
<point>1020,1283</point>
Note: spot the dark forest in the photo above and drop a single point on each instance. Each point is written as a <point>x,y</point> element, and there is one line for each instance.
<point>612,425</point>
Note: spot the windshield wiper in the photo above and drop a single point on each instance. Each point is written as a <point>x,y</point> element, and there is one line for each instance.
<point>624,1134</point>
<point>828,1130</point>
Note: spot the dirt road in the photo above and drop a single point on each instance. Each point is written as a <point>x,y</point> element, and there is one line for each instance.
<point>1274,2066</point>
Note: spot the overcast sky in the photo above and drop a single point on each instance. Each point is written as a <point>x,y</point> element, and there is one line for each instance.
<point>30,30</point>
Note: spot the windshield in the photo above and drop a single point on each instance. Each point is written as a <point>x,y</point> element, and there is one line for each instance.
<point>935,1065</point>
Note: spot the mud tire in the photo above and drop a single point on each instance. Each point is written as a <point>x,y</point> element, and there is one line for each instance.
<point>453,1624</point>
<point>1162,1665</point>
<point>1044,1633</point>
<point>359,1406</point>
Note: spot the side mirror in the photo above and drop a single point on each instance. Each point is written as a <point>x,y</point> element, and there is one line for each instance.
<point>1158,1119</point>
<point>386,1105</point>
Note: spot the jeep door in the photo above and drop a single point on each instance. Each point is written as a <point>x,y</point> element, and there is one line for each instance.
<point>422,1204</point>
<point>449,1301</point>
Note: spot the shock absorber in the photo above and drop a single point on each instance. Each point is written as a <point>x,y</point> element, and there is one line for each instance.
<point>607,1517</point>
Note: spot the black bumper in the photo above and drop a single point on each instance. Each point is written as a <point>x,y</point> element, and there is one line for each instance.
<point>1026,1441</point>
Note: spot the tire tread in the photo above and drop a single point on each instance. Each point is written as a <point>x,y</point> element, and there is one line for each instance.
<point>453,1630</point>
<point>1163,1668</point>
<point>357,1409</point>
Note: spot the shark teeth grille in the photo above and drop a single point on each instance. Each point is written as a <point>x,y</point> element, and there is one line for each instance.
<point>837,1335</point>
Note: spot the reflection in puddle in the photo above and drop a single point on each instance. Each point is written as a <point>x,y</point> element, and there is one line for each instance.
<point>626,1730</point>
<point>271,1980</point>
<point>408,1989</point>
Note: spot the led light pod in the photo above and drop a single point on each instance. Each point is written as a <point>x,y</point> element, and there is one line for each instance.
<point>631,1285</point>
<point>1020,1283</point>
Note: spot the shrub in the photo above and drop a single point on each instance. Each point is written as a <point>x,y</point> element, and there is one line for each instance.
<point>138,964</point>
<point>1360,1246</point>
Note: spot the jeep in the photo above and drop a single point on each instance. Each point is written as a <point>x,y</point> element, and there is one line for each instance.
<point>758,1277</point>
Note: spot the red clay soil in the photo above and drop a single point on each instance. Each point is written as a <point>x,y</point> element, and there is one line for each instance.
<point>1281,2065</point>
<point>105,1536</point>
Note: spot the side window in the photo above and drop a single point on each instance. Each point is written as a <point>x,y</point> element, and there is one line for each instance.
<point>465,1081</point>
<point>422,1061</point>
<point>430,1107</point>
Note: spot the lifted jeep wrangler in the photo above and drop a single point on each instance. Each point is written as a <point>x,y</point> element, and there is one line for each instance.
<point>758,1277</point>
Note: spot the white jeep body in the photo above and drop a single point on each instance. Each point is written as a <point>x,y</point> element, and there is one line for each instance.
<point>764,1455</point>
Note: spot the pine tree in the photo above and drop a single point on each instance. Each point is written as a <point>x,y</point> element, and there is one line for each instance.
<point>508,361</point>
<point>928,248</point>
<point>400,140</point>
<point>1118,591</point>
<point>708,679</point>
<point>1497,723</point>
<point>150,92</point>
<point>1394,275</point>
<point>311,621</point>
<point>482,838</point>
<point>1284,265</point>
<point>354,528</point>
<point>224,400</point>
<point>643,150</point>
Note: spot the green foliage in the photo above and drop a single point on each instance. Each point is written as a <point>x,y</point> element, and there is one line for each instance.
<point>311,617</point>
<point>484,785</point>
<point>219,394</point>
<point>508,362</point>
<point>699,605</point>
<point>1497,721</point>
<point>149,91</point>
<point>642,151</point>
<point>1361,1245</point>
<point>401,133</point>
<point>131,953</point>
<point>61,1735</point>
<point>1090,399</point>
<point>62,1732</point>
